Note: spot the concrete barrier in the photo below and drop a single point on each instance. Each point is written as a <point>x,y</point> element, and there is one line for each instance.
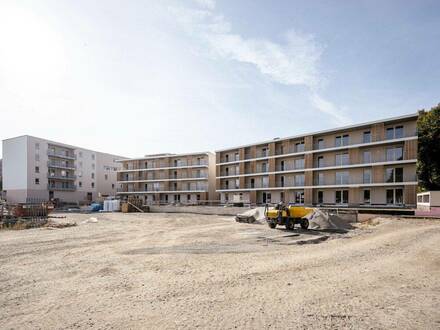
<point>208,210</point>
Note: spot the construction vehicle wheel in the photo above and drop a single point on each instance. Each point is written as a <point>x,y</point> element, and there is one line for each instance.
<point>272,224</point>
<point>304,223</point>
<point>290,225</point>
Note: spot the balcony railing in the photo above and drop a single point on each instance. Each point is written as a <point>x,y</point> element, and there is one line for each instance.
<point>60,165</point>
<point>56,154</point>
<point>61,177</point>
<point>61,188</point>
<point>162,166</point>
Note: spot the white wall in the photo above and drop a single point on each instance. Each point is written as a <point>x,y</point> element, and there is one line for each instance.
<point>15,156</point>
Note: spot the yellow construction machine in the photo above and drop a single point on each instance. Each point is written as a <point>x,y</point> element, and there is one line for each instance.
<point>288,216</point>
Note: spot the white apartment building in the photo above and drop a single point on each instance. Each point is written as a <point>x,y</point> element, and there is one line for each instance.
<point>39,169</point>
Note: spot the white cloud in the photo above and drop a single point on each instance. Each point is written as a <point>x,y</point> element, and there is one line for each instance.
<point>294,62</point>
<point>329,108</point>
<point>209,4</point>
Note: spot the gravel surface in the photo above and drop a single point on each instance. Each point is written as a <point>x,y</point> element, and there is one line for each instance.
<point>143,271</point>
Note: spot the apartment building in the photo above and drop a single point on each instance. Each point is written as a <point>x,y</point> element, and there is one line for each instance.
<point>39,169</point>
<point>370,164</point>
<point>169,178</point>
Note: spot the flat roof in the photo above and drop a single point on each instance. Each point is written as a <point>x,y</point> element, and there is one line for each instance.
<point>163,155</point>
<point>65,145</point>
<point>342,128</point>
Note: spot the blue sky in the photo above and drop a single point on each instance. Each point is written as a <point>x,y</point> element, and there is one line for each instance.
<point>138,77</point>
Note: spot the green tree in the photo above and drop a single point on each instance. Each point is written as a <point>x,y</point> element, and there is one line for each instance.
<point>428,164</point>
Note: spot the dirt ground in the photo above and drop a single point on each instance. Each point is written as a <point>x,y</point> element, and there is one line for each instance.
<point>143,271</point>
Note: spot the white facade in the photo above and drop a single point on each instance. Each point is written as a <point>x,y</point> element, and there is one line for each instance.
<point>39,169</point>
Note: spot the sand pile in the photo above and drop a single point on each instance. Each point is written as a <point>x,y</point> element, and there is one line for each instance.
<point>251,216</point>
<point>327,221</point>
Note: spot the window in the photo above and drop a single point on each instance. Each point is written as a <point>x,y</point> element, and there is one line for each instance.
<point>367,196</point>
<point>394,154</point>
<point>398,174</point>
<point>321,179</point>
<point>366,137</point>
<point>37,169</point>
<point>366,156</point>
<point>342,177</point>
<point>342,159</point>
<point>299,197</point>
<point>264,167</point>
<point>226,158</point>
<point>93,185</point>
<point>321,161</point>
<point>299,180</point>
<point>37,146</point>
<point>237,156</point>
<point>341,197</point>
<point>93,156</point>
<point>394,196</point>
<point>299,146</point>
<point>93,175</point>
<point>282,196</point>
<point>227,184</point>
<point>237,183</point>
<point>394,174</point>
<point>282,181</point>
<point>37,157</point>
<point>80,184</point>
<point>390,133</point>
<point>252,183</point>
<point>80,154</point>
<point>398,132</point>
<point>320,197</point>
<point>367,176</point>
<point>198,197</point>
<point>394,132</point>
<point>282,165</point>
<point>265,181</point>
<point>299,163</point>
<point>105,176</point>
<point>93,166</point>
<point>321,144</point>
<point>341,140</point>
<point>37,181</point>
<point>264,152</point>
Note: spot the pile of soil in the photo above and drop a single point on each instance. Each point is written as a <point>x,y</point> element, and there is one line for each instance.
<point>321,220</point>
<point>252,216</point>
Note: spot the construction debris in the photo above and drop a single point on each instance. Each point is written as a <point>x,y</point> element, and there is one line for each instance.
<point>321,220</point>
<point>251,216</point>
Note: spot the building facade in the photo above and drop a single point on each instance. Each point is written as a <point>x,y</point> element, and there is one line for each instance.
<point>39,169</point>
<point>370,164</point>
<point>169,178</point>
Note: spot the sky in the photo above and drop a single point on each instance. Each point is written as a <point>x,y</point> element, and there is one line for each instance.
<point>141,77</point>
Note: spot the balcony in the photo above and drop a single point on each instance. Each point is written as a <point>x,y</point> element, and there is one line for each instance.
<point>70,187</point>
<point>61,177</point>
<point>66,166</point>
<point>62,155</point>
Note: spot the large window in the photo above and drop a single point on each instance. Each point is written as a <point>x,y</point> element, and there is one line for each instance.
<point>321,144</point>
<point>366,156</point>
<point>342,159</point>
<point>367,199</point>
<point>299,163</point>
<point>394,132</point>
<point>367,176</point>
<point>342,177</point>
<point>320,197</point>
<point>394,154</point>
<point>394,174</point>
<point>395,196</point>
<point>321,179</point>
<point>299,197</point>
<point>299,147</point>
<point>321,161</point>
<point>299,180</point>
<point>366,137</point>
<point>341,197</point>
<point>341,140</point>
